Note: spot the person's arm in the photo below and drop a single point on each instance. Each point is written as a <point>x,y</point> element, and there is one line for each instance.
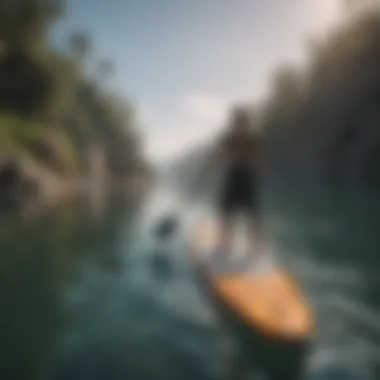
<point>211,162</point>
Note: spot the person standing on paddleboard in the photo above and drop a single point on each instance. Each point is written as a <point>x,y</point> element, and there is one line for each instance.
<point>238,150</point>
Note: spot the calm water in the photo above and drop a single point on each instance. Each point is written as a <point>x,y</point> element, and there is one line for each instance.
<point>85,296</point>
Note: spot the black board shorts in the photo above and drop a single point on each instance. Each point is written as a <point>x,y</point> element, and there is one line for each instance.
<point>239,192</point>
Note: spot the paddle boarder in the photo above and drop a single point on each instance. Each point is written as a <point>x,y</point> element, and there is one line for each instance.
<point>238,150</point>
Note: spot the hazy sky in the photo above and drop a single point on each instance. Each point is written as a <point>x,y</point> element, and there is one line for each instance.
<point>184,61</point>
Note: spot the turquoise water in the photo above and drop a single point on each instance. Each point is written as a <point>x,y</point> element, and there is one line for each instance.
<point>87,295</point>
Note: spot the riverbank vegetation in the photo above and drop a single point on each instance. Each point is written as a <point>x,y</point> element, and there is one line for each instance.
<point>322,120</point>
<point>61,130</point>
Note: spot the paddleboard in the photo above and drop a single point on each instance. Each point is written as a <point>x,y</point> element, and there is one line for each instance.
<point>264,295</point>
<point>258,301</point>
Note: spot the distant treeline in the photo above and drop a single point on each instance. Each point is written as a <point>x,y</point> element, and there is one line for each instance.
<point>52,112</point>
<point>322,121</point>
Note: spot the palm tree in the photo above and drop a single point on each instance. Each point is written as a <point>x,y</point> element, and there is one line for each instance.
<point>80,44</point>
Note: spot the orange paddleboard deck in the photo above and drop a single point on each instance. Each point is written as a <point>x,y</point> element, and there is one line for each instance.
<point>264,297</point>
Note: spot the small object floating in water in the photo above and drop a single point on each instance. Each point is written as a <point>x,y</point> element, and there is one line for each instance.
<point>261,304</point>
<point>166,227</point>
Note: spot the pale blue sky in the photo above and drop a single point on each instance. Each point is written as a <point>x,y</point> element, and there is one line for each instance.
<point>184,61</point>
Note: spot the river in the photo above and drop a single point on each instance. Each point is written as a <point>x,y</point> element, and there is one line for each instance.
<point>85,295</point>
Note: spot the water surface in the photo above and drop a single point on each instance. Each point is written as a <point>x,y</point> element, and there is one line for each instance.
<point>93,296</point>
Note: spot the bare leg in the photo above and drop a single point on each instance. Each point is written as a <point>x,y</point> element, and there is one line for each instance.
<point>225,237</point>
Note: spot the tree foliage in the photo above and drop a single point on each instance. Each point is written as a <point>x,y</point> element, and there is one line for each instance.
<point>41,86</point>
<point>322,120</point>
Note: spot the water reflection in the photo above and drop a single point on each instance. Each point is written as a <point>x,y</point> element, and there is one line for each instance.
<point>94,298</point>
<point>38,258</point>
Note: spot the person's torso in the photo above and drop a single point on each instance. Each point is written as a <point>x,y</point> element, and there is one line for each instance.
<point>240,149</point>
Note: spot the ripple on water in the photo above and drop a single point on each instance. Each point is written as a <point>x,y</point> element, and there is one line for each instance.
<point>123,319</point>
<point>346,325</point>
